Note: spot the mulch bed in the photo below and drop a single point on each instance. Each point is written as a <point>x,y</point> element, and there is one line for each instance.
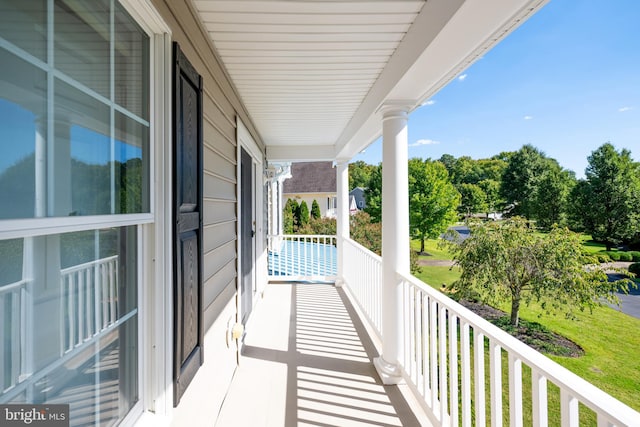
<point>531,333</point>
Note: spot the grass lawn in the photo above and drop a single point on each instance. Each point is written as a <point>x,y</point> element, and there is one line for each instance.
<point>590,246</point>
<point>610,339</point>
<point>435,276</point>
<point>431,247</point>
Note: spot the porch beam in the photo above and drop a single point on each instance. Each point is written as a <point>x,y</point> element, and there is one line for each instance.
<point>342,214</point>
<point>395,235</point>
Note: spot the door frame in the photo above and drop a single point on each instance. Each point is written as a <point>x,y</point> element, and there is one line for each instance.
<point>259,272</point>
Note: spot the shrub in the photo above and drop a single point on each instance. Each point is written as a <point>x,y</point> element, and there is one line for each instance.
<point>625,256</point>
<point>604,258</point>
<point>615,256</point>
<point>635,255</point>
<point>635,268</point>
<point>315,210</point>
<point>304,213</point>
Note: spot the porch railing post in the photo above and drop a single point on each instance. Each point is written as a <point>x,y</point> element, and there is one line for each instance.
<point>342,215</point>
<point>395,236</point>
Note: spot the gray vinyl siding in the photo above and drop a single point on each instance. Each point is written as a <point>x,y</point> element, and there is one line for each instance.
<point>221,106</point>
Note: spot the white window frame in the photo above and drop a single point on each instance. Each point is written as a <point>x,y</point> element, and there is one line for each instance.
<point>156,252</point>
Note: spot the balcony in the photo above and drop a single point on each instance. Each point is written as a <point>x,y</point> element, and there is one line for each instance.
<point>307,359</point>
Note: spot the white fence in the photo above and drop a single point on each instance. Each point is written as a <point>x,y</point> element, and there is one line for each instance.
<point>363,274</point>
<point>15,305</point>
<point>445,346</point>
<point>302,257</point>
<point>89,301</point>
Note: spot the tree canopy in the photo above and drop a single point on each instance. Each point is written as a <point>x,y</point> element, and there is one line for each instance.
<point>373,194</point>
<point>433,200</point>
<point>608,200</point>
<point>360,174</point>
<point>510,261</point>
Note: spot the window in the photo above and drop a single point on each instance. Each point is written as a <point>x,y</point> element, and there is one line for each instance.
<point>74,141</point>
<point>69,322</point>
<point>74,114</point>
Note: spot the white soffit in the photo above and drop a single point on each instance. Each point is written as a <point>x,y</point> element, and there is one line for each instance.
<point>303,68</point>
<point>313,73</point>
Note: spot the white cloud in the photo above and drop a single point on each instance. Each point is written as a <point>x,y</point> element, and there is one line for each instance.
<point>528,117</point>
<point>429,102</point>
<point>461,77</point>
<point>623,109</point>
<point>420,142</point>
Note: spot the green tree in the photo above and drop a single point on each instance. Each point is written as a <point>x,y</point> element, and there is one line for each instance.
<point>366,232</point>
<point>520,179</point>
<point>289,218</point>
<point>491,190</point>
<point>359,174</point>
<point>373,194</point>
<point>610,197</point>
<point>550,201</point>
<point>473,199</point>
<point>315,210</point>
<point>510,261</point>
<point>449,162</point>
<point>433,200</point>
<point>304,214</point>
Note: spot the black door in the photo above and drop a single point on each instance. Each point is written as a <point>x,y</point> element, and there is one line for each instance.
<point>187,227</point>
<point>247,233</point>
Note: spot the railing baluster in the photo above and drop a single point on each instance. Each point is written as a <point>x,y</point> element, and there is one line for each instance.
<point>81,312</point>
<point>433,332</point>
<point>465,360</point>
<point>113,281</point>
<point>15,336</point>
<point>453,369</point>
<point>407,321</point>
<point>604,422</point>
<point>539,399</point>
<point>569,414</point>
<point>478,370</point>
<point>417,326</point>
<point>442,361</point>
<point>424,306</point>
<point>495,378</point>
<point>89,304</point>
<point>515,391</point>
<point>72,311</point>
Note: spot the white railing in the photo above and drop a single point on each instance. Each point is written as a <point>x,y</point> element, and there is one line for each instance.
<point>302,257</point>
<point>15,303</point>
<point>445,347</point>
<point>363,274</point>
<point>89,301</point>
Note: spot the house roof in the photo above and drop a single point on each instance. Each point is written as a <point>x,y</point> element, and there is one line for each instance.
<point>313,75</point>
<point>311,177</point>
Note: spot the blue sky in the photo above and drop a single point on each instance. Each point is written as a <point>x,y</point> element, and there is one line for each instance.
<point>566,81</point>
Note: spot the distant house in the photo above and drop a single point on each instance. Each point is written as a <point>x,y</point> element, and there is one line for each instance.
<point>312,181</point>
<point>358,196</point>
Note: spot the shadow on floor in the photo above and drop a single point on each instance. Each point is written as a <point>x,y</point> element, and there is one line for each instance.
<point>331,380</point>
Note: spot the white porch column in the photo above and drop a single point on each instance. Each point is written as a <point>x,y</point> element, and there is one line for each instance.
<point>395,236</point>
<point>342,215</point>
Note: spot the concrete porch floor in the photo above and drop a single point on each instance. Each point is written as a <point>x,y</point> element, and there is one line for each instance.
<point>307,361</point>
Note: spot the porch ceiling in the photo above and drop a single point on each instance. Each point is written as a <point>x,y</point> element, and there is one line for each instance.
<point>313,73</point>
